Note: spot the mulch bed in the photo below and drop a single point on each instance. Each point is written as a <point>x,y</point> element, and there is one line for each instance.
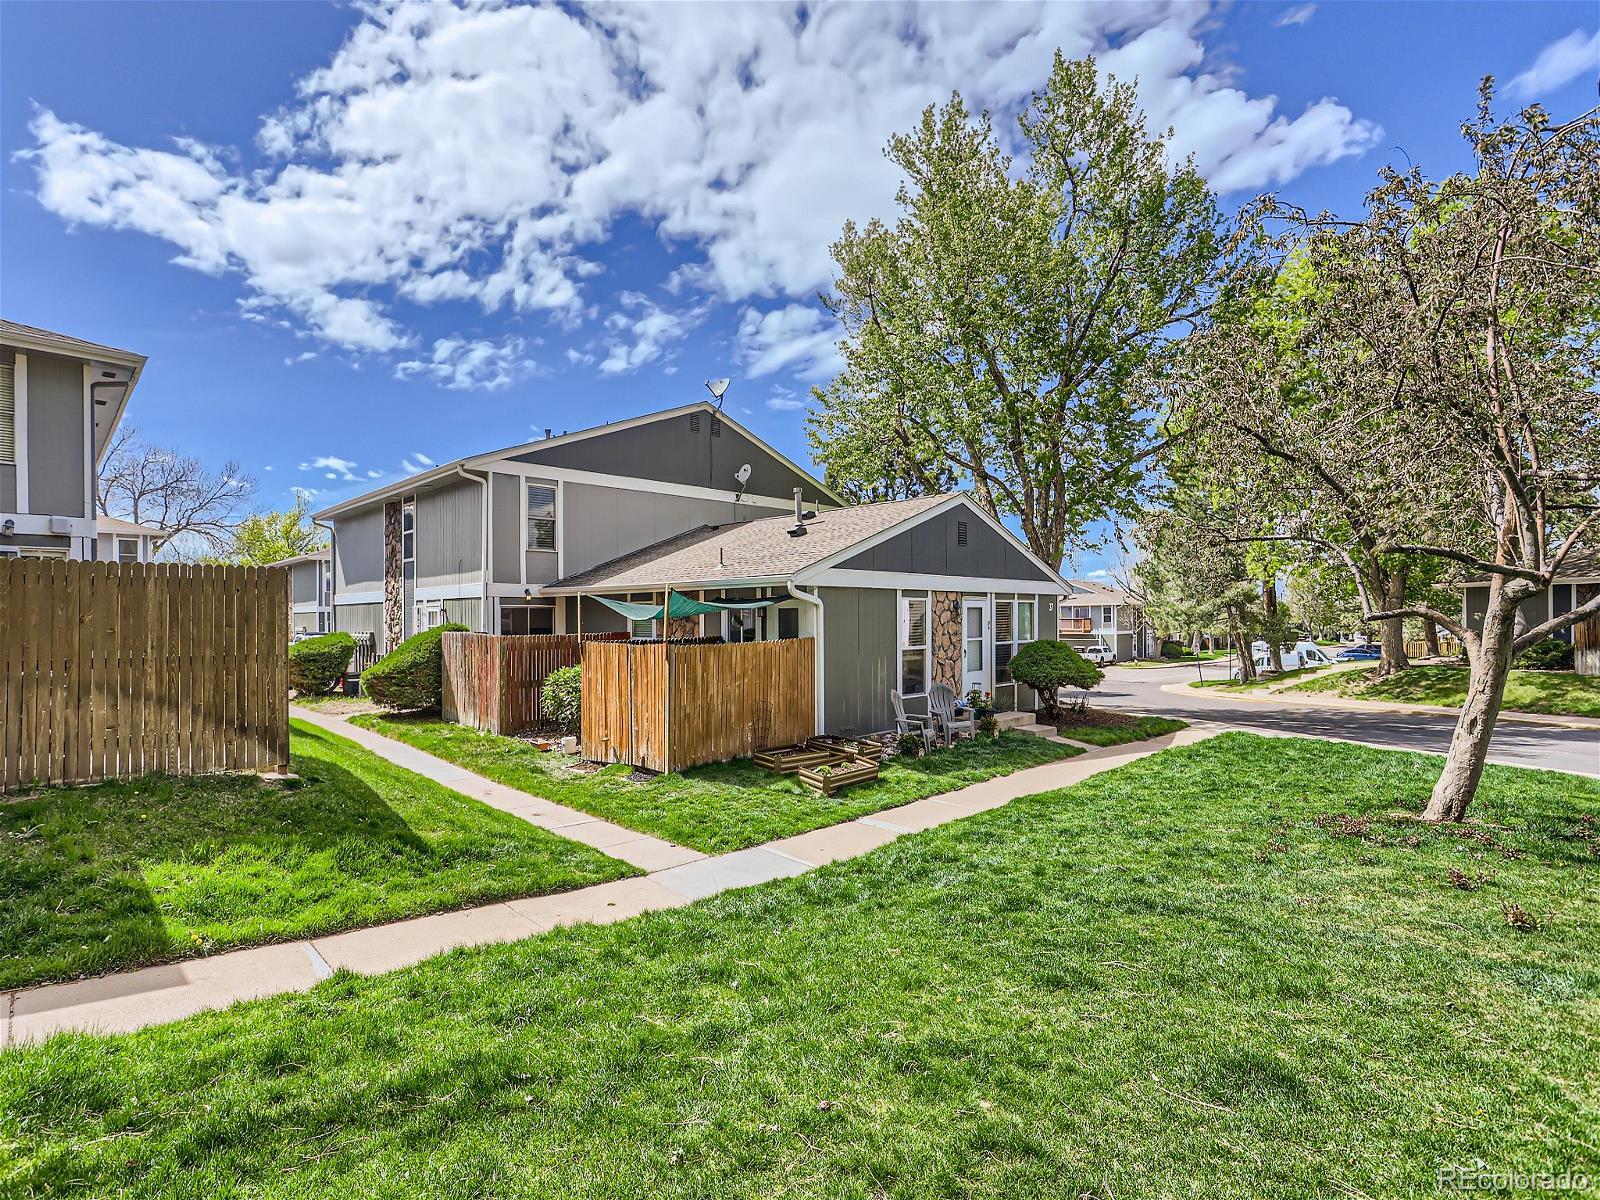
<point>1094,718</point>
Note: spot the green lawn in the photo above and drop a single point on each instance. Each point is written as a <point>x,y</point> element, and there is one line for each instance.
<point>1100,728</point>
<point>717,808</point>
<point>123,874</point>
<point>1259,682</point>
<point>1219,971</point>
<point>1560,692</point>
<point>1186,660</point>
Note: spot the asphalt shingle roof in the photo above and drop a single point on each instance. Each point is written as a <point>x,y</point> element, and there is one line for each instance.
<point>759,549</point>
<point>66,343</point>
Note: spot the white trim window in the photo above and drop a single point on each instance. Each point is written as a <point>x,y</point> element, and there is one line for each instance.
<point>127,549</point>
<point>408,532</point>
<point>915,649</point>
<point>541,517</point>
<point>1015,625</point>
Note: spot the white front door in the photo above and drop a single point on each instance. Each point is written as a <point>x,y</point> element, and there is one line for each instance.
<point>975,645</point>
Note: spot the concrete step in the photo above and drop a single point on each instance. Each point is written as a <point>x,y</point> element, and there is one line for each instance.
<point>1036,730</point>
<point>1012,720</point>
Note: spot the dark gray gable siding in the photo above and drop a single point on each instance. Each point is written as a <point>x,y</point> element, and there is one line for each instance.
<point>933,547</point>
<point>671,451</point>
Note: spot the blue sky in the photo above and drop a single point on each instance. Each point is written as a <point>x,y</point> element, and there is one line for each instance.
<point>369,240</point>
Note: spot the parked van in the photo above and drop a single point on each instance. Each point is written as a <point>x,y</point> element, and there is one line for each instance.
<point>1301,654</point>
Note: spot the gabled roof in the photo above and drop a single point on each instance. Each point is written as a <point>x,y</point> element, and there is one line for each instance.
<point>1088,591</point>
<point>47,341</point>
<point>762,550</point>
<point>323,555</point>
<point>477,461</point>
<point>105,524</point>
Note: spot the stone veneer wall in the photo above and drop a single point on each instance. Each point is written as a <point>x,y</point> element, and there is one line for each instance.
<point>947,657</point>
<point>683,627</point>
<point>393,588</point>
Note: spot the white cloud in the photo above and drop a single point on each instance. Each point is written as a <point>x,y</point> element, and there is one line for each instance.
<point>333,467</point>
<point>415,464</point>
<point>463,365</point>
<point>798,337</point>
<point>641,330</point>
<point>1300,14</point>
<point>784,400</point>
<point>1558,64</point>
<point>448,154</point>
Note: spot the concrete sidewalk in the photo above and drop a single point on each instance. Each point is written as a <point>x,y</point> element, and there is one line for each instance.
<point>155,995</point>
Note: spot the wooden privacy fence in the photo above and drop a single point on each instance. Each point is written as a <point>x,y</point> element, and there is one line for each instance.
<point>112,670</point>
<point>665,705</point>
<point>495,681</point>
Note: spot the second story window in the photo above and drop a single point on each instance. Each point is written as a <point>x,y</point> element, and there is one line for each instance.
<point>541,517</point>
<point>408,533</point>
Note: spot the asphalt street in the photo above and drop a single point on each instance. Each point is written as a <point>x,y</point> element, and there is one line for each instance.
<point>1516,743</point>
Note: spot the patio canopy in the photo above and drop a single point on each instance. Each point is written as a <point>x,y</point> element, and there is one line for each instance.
<point>678,605</point>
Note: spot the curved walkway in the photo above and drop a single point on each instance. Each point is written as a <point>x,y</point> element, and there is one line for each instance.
<point>155,995</point>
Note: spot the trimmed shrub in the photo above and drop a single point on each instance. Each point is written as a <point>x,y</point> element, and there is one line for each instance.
<point>562,697</point>
<point>411,675</point>
<point>316,663</point>
<point>1048,666</point>
<point>1547,654</point>
<point>1174,650</point>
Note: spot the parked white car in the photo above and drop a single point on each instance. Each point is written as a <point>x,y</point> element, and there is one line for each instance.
<point>1100,656</point>
<point>1301,654</point>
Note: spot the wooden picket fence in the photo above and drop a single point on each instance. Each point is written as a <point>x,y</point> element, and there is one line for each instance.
<point>112,670</point>
<point>495,682</point>
<point>665,706</point>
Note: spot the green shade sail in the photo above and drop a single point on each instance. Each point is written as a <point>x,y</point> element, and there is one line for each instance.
<point>678,605</point>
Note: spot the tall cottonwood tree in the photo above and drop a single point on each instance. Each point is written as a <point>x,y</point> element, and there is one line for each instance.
<point>1422,387</point>
<point>990,332</point>
<point>173,492</point>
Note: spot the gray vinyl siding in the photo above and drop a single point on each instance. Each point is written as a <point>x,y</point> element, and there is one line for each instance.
<point>57,457</point>
<point>303,581</point>
<point>597,618</point>
<point>468,612</point>
<point>858,659</point>
<point>602,523</point>
<point>303,622</point>
<point>359,618</point>
<point>934,548</point>
<point>1535,610</point>
<point>449,544</point>
<point>505,507</point>
<point>8,487</point>
<point>358,551</point>
<point>672,450</point>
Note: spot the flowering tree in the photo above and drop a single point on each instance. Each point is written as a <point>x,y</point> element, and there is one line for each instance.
<point>1420,385</point>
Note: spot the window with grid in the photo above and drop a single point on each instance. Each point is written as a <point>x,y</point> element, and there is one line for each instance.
<point>8,413</point>
<point>1014,627</point>
<point>541,517</point>
<point>914,635</point>
<point>127,550</point>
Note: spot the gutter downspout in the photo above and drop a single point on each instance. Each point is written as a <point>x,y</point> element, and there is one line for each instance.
<point>483,548</point>
<point>816,602</point>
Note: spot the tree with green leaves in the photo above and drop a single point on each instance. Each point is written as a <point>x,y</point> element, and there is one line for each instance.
<point>1426,391</point>
<point>990,333</point>
<point>264,538</point>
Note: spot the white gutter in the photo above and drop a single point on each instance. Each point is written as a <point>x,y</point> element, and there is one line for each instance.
<point>817,647</point>
<point>483,550</point>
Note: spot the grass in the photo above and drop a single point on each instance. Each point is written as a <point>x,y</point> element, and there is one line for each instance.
<point>125,874</point>
<point>717,808</point>
<point>1187,659</point>
<point>1219,971</point>
<point>1259,682</point>
<point>1563,693</point>
<point>1100,727</point>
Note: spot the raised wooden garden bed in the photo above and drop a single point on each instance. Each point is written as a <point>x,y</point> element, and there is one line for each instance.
<point>786,760</point>
<point>831,779</point>
<point>862,749</point>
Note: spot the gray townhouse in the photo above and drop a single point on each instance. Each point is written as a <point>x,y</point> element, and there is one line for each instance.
<point>1577,584</point>
<point>310,592</point>
<point>61,399</point>
<point>1093,614</point>
<point>536,538</point>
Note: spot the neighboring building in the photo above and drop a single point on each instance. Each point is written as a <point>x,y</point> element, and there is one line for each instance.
<point>124,542</point>
<point>1576,585</point>
<point>310,592</point>
<point>521,540</point>
<point>61,399</point>
<point>1095,615</point>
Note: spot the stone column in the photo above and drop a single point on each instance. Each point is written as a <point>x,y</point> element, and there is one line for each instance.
<point>947,647</point>
<point>393,588</point>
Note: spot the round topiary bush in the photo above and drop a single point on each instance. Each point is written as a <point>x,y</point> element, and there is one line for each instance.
<point>562,697</point>
<point>410,676</point>
<point>1047,667</point>
<point>316,663</point>
<point>1547,654</point>
<point>1174,650</point>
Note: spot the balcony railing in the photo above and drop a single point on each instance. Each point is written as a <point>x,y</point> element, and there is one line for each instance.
<point>1077,625</point>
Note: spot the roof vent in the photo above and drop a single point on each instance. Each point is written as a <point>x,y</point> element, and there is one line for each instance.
<point>716,427</point>
<point>694,422</point>
<point>961,533</point>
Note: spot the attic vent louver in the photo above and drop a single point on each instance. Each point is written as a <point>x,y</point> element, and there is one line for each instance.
<point>694,422</point>
<point>961,533</point>
<point>716,427</point>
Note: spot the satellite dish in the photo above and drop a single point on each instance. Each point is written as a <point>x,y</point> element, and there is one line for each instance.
<point>743,476</point>
<point>717,387</point>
